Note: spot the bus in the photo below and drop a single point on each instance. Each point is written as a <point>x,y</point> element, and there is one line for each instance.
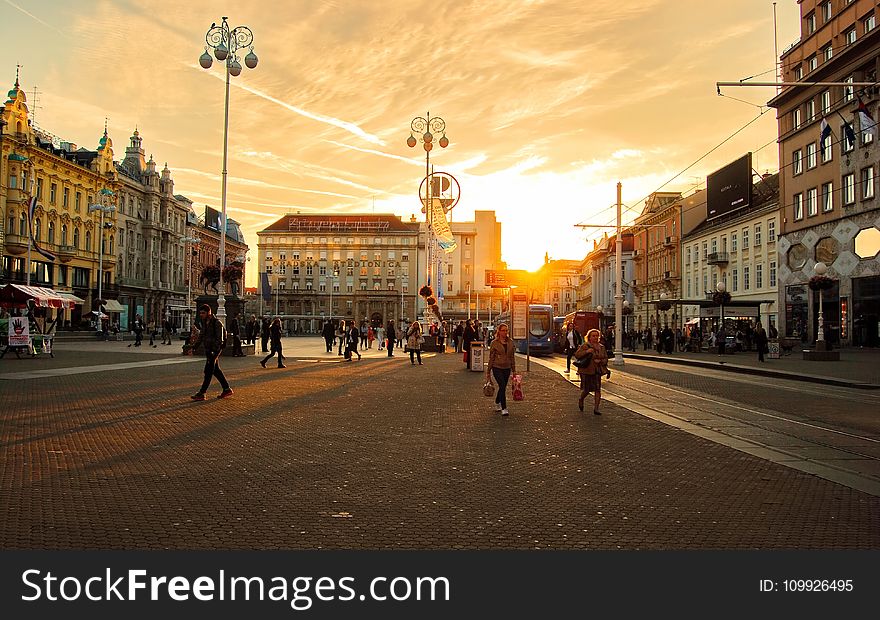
<point>541,333</point>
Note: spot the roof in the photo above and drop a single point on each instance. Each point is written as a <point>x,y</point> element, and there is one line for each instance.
<point>362,224</point>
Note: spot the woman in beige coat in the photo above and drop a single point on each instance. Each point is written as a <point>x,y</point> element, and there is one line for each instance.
<point>591,373</point>
<point>502,364</point>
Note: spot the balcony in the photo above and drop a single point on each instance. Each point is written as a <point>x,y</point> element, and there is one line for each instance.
<point>638,254</point>
<point>717,258</point>
<point>123,281</point>
<point>670,241</point>
<point>16,244</point>
<point>670,275</point>
<point>66,253</point>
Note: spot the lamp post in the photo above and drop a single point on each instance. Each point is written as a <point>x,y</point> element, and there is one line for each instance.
<point>821,269</point>
<point>190,242</point>
<point>425,128</point>
<point>226,42</point>
<point>333,277</point>
<point>721,287</point>
<point>106,197</point>
<point>601,310</point>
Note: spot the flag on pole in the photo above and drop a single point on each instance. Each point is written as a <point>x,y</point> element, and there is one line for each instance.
<point>866,121</point>
<point>849,133</point>
<point>32,207</point>
<point>265,287</point>
<point>825,132</point>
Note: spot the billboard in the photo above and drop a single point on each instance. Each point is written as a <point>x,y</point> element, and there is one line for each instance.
<point>729,188</point>
<point>212,218</point>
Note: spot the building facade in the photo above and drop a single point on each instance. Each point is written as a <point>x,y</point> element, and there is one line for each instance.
<point>828,186</point>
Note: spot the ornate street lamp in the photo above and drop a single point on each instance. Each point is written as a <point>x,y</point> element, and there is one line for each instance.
<point>424,130</point>
<point>226,44</point>
<point>107,197</point>
<point>190,242</point>
<point>819,283</point>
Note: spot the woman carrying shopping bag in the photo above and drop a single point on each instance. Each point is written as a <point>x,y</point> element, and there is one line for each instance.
<point>502,363</point>
<point>592,363</point>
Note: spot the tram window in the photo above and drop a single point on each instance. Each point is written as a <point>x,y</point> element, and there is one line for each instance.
<point>539,324</point>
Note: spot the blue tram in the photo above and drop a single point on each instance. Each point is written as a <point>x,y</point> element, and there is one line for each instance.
<point>541,330</point>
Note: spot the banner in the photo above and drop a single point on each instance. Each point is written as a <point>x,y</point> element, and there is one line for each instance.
<point>19,331</point>
<point>440,227</point>
<point>265,287</point>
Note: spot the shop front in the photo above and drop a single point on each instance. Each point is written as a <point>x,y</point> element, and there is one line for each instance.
<point>865,311</point>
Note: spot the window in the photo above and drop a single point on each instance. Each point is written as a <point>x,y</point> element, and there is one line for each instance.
<point>759,276</point>
<point>757,234</point>
<point>733,242</point>
<point>825,102</point>
<point>322,270</point>
<point>282,256</point>
<point>53,190</point>
<point>64,234</point>
<point>745,238</point>
<point>65,200</point>
<point>714,245</point>
<point>811,110</point>
<point>849,189</point>
<point>796,119</point>
<point>746,283</point>
<point>309,270</point>
<point>51,238</point>
<point>705,250</point>
<point>772,274</point>
<point>22,225</point>
<point>868,23</point>
<point>828,52</point>
<point>798,206</point>
<point>812,202</point>
<point>797,164</point>
<point>735,280</point>
<point>811,23</point>
<point>88,247</point>
<point>849,36</point>
<point>81,277</point>
<point>826,12</point>
<point>827,152</point>
<point>771,231</point>
<point>296,255</point>
<point>76,201</point>
<point>687,256</point>
<point>848,91</point>
<point>76,238</point>
<point>867,183</point>
<point>268,256</point>
<point>798,72</point>
<point>282,269</point>
<point>467,240</point>
<point>812,63</point>
<point>269,269</point>
<point>811,155</point>
<point>827,197</point>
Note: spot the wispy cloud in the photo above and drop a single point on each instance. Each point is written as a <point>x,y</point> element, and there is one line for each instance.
<point>34,17</point>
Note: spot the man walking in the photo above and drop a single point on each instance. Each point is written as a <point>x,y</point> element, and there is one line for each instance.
<point>392,336</point>
<point>264,334</point>
<point>212,337</point>
<point>329,335</point>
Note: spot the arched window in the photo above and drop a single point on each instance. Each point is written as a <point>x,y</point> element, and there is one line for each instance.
<point>64,234</point>
<point>51,231</point>
<point>88,247</point>
<point>110,247</point>
<point>38,229</point>
<point>76,238</point>
<point>11,221</point>
<point>22,224</point>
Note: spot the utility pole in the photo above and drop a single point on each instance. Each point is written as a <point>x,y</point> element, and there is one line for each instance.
<point>618,279</point>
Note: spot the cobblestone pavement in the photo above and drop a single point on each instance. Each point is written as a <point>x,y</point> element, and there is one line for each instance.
<point>381,454</point>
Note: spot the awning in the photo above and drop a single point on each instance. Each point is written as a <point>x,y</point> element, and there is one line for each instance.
<point>18,296</point>
<point>73,298</point>
<point>112,305</point>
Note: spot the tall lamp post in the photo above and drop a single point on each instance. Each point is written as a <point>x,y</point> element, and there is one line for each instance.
<point>821,269</point>
<point>425,129</point>
<point>105,207</point>
<point>226,43</point>
<point>721,287</point>
<point>333,277</point>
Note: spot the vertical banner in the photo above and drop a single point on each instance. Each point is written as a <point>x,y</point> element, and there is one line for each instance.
<point>519,309</point>
<point>440,226</point>
<point>265,287</point>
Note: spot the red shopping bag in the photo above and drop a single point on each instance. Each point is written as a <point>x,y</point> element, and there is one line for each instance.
<point>517,387</point>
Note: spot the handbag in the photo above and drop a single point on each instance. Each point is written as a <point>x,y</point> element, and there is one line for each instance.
<point>489,389</point>
<point>517,387</point>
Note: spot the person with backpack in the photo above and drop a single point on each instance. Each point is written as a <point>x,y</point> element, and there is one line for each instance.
<point>275,339</point>
<point>213,338</point>
<point>572,340</point>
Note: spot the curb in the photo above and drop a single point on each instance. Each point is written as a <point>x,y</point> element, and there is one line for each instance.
<point>750,370</point>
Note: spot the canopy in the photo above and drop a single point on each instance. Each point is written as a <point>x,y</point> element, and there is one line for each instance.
<point>18,296</point>
<point>113,306</point>
<point>73,298</point>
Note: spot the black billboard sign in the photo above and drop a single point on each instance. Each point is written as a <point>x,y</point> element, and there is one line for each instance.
<point>212,218</point>
<point>729,188</point>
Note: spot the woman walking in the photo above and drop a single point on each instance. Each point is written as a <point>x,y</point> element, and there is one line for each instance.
<point>275,343</point>
<point>414,342</point>
<point>502,364</point>
<point>342,336</point>
<point>354,336</point>
<point>573,340</point>
<point>591,373</point>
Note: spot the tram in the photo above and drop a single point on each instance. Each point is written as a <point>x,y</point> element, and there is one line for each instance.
<point>541,333</point>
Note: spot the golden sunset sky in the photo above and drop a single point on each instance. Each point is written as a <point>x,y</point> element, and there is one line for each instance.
<point>548,104</point>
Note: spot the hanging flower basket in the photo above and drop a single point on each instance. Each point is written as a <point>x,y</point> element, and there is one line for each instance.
<point>664,305</point>
<point>431,301</point>
<point>627,310</point>
<point>821,283</point>
<point>719,298</point>
<point>426,291</point>
<point>231,273</point>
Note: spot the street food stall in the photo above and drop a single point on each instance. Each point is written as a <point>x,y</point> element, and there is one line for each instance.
<point>28,330</point>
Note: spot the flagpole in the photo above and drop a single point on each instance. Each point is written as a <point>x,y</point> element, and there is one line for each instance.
<point>31,209</point>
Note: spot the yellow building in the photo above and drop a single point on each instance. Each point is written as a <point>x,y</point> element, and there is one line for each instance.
<point>66,180</point>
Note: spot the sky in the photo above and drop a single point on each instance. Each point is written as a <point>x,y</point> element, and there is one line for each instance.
<point>547,104</point>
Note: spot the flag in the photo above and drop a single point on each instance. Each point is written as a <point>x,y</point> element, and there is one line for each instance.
<point>265,287</point>
<point>849,133</point>
<point>440,226</point>
<point>825,133</point>
<point>866,121</point>
<point>34,243</point>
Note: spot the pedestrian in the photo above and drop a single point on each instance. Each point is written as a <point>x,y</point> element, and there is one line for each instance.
<point>502,364</point>
<point>166,331</point>
<point>392,335</point>
<point>468,336</point>
<point>380,336</point>
<point>592,364</point>
<point>264,334</point>
<point>457,334</point>
<point>364,334</point>
<point>354,336</point>
<point>329,335</point>
<point>646,343</point>
<point>342,336</point>
<point>138,328</point>
<point>371,336</point>
<point>275,339</point>
<point>414,342</point>
<point>441,337</point>
<point>250,330</point>
<point>401,333</point>
<point>213,338</point>
<point>235,333</point>
<point>721,340</point>
<point>572,340</point>
<point>773,333</point>
<point>760,342</point>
